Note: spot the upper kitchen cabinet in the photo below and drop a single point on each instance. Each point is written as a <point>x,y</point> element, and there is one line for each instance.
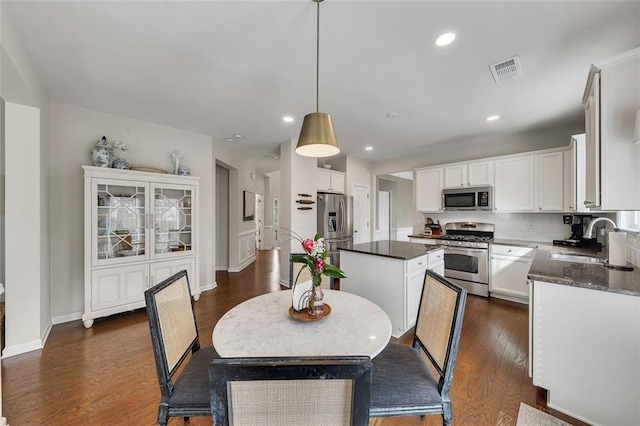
<point>515,184</point>
<point>611,100</point>
<point>479,173</point>
<point>550,181</point>
<point>331,181</point>
<point>574,175</point>
<point>428,189</point>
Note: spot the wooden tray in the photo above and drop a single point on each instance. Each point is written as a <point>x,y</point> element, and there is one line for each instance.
<point>305,317</point>
<point>148,169</point>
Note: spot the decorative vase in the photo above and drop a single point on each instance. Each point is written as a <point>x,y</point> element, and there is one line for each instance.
<point>120,163</point>
<point>316,304</point>
<point>184,171</point>
<point>102,153</point>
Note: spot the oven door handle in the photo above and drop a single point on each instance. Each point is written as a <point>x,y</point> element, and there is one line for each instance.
<point>465,250</point>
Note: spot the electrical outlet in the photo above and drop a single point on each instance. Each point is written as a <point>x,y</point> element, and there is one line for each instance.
<point>531,225</point>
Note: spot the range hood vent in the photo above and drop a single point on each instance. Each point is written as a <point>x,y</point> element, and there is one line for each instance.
<point>506,70</point>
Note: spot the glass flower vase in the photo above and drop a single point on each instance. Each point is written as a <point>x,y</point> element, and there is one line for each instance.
<point>316,303</point>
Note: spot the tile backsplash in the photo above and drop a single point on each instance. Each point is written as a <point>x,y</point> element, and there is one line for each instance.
<point>542,227</point>
<point>633,244</point>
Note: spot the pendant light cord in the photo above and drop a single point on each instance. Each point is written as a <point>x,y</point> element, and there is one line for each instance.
<point>318,57</point>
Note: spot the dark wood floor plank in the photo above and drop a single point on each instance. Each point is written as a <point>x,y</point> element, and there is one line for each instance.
<point>106,375</point>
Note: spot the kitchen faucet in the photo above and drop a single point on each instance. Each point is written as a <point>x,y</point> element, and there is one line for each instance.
<point>589,232</point>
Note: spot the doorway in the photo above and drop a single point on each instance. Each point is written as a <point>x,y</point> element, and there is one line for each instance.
<point>222,218</point>
<point>384,215</point>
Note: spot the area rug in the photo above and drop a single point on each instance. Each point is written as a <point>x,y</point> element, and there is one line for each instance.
<point>529,416</point>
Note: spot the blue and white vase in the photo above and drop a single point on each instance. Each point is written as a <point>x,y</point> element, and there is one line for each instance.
<point>120,163</point>
<point>102,153</point>
<point>184,171</point>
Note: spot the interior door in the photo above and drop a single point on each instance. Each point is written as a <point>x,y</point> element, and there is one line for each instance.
<point>361,213</point>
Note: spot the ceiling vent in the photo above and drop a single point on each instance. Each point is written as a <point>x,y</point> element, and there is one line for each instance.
<point>272,157</point>
<point>506,70</point>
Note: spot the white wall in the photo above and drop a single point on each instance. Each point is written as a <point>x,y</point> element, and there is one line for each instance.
<point>74,132</point>
<point>22,136</point>
<point>295,180</point>
<point>19,84</point>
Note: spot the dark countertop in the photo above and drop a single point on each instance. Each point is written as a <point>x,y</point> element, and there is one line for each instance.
<point>427,237</point>
<point>517,243</point>
<point>395,249</point>
<point>591,276</point>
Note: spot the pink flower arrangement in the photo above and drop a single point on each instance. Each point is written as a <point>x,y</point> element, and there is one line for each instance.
<point>314,258</point>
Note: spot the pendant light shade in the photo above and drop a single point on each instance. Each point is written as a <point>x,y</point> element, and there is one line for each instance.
<point>317,137</point>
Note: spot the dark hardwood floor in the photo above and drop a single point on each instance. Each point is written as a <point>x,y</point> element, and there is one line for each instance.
<point>106,375</point>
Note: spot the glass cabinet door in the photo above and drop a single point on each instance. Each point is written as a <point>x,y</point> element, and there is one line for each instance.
<point>120,221</point>
<point>172,219</point>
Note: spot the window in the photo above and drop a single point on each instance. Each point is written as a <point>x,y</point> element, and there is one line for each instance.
<point>629,220</point>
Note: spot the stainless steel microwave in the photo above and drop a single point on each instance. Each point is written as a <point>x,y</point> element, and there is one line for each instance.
<point>472,198</point>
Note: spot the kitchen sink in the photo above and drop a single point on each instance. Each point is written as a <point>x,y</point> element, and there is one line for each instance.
<point>576,258</point>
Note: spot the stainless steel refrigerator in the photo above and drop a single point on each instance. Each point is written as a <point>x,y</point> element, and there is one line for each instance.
<point>335,223</point>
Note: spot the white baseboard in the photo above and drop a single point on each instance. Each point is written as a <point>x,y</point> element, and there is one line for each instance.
<point>45,334</point>
<point>222,268</point>
<point>284,283</point>
<point>3,421</point>
<point>22,348</point>
<point>244,264</point>
<point>209,286</point>
<point>61,319</point>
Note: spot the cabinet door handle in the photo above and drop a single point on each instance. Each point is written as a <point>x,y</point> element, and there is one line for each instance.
<point>508,251</point>
<point>419,263</point>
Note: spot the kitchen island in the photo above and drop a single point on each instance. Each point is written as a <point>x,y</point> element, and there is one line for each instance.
<point>584,321</point>
<point>391,275</point>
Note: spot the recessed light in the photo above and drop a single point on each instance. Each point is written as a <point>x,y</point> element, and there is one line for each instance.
<point>368,148</point>
<point>493,117</point>
<point>445,39</point>
<point>237,136</point>
<point>229,140</point>
<point>287,119</point>
<point>392,115</point>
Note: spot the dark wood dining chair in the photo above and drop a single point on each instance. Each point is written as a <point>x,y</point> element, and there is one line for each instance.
<point>174,335</point>
<point>402,383</point>
<point>290,391</point>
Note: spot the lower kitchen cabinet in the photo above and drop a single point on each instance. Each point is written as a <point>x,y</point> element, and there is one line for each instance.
<point>584,349</point>
<point>508,267</point>
<point>393,284</point>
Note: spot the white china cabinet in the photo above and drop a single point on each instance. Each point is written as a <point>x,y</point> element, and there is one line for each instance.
<point>139,228</point>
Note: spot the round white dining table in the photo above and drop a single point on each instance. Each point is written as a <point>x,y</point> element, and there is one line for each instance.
<point>262,327</point>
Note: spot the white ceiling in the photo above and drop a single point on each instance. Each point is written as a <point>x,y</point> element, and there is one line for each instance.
<point>236,67</point>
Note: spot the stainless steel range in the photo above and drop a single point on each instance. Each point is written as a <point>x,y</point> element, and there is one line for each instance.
<point>466,255</point>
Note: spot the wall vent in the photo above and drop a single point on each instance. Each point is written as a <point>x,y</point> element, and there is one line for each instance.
<point>273,157</point>
<point>506,70</point>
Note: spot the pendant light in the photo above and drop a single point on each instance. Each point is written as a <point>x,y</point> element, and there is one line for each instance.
<point>317,137</point>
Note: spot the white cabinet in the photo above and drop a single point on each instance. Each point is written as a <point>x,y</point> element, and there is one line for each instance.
<point>574,175</point>
<point>478,173</point>
<point>584,341</point>
<point>509,266</point>
<point>550,181</point>
<point>139,228</point>
<point>428,189</point>
<point>515,184</point>
<point>331,181</point>
<point>611,100</point>
<point>391,283</point>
